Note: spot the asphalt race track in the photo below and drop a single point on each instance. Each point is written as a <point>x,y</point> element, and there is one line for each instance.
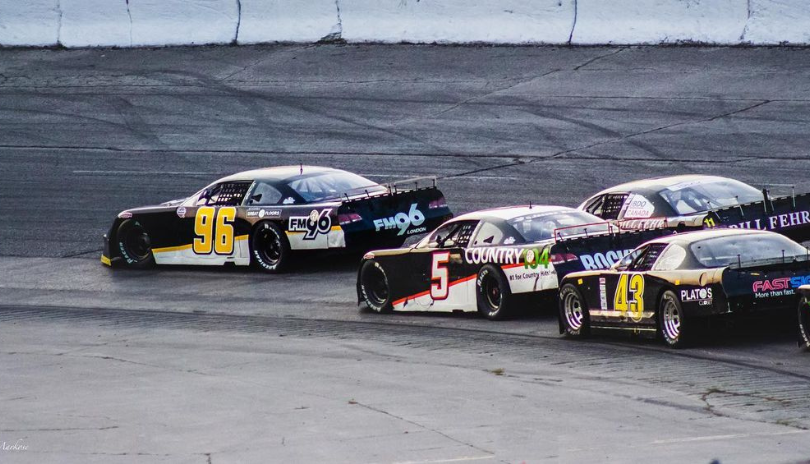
<point>230,365</point>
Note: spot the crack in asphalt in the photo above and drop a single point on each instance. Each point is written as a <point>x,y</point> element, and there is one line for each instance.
<point>597,58</point>
<point>424,427</point>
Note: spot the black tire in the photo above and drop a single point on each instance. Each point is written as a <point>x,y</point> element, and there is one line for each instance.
<point>269,248</point>
<point>134,245</point>
<point>374,287</point>
<point>804,322</point>
<point>574,317</point>
<point>493,294</point>
<point>672,321</point>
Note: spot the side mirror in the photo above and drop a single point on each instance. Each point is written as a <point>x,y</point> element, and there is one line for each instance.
<point>623,263</point>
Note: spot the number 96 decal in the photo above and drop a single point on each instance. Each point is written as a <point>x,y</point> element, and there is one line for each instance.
<point>214,230</point>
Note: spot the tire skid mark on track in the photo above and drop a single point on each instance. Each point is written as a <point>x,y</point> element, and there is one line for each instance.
<point>727,387</point>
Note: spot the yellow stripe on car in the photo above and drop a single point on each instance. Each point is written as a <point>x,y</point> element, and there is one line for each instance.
<point>172,248</point>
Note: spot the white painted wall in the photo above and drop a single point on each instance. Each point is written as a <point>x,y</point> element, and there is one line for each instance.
<point>287,20</point>
<point>659,21</point>
<point>454,21</point>
<point>82,23</point>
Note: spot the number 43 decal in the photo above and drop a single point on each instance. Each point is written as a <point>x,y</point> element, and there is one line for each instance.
<point>630,295</point>
<point>209,236</point>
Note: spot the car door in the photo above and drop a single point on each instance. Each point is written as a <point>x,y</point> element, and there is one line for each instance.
<point>441,267</point>
<point>626,290</point>
<point>209,224</point>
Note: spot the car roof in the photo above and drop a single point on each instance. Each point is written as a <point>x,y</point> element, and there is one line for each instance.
<point>512,212</point>
<point>656,184</point>
<point>687,238</point>
<point>276,173</point>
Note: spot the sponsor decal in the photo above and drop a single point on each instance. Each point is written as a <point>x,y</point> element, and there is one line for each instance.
<point>776,222</point>
<point>643,224</point>
<point>532,258</point>
<point>638,207</point>
<point>288,201</point>
<point>533,275</point>
<point>495,255</point>
<point>603,260</point>
<point>125,215</point>
<point>780,286</point>
<point>312,225</point>
<point>603,293</point>
<point>261,213</point>
<point>701,296</point>
<point>402,221</point>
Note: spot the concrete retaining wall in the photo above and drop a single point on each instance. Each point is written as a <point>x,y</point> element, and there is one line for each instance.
<point>83,23</point>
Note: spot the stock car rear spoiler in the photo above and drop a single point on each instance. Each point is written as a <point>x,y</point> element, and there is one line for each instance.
<point>771,283</point>
<point>393,215</point>
<point>598,251</point>
<point>788,215</point>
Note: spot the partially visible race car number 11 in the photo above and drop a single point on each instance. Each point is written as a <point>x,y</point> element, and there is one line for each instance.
<point>214,230</point>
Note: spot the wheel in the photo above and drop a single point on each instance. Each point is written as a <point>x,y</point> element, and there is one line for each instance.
<point>374,287</point>
<point>493,295</point>
<point>134,244</point>
<point>804,322</point>
<point>269,248</point>
<point>574,312</point>
<point>671,320</point>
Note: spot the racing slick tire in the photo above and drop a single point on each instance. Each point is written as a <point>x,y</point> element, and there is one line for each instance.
<point>134,245</point>
<point>493,294</point>
<point>269,248</point>
<point>374,287</point>
<point>671,321</point>
<point>574,317</point>
<point>804,322</point>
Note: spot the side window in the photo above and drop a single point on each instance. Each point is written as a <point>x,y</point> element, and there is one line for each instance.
<point>488,234</point>
<point>224,194</point>
<point>612,205</point>
<point>264,194</point>
<point>595,205</point>
<point>455,234</point>
<point>648,256</point>
<point>670,259</point>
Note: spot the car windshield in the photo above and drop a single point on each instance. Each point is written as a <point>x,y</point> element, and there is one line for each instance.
<point>700,195</point>
<point>724,251</point>
<point>334,184</point>
<point>541,226</point>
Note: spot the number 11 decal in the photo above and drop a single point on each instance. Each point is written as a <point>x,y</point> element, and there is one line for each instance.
<point>439,276</point>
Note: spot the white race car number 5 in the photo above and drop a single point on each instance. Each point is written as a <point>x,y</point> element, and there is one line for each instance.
<point>439,276</point>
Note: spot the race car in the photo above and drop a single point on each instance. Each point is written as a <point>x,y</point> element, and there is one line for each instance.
<point>676,201</point>
<point>692,202</point>
<point>489,261</point>
<point>667,285</point>
<point>260,217</point>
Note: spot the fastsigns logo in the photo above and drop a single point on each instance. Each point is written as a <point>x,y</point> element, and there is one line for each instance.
<point>401,221</point>
<point>312,225</point>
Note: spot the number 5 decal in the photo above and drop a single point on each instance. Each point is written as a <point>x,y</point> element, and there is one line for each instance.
<point>623,302</point>
<point>439,276</point>
<point>204,228</point>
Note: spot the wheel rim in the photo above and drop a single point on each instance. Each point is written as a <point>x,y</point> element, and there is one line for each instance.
<point>492,293</point>
<point>269,247</point>
<point>376,285</point>
<point>137,243</point>
<point>574,314</point>
<point>672,321</point>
